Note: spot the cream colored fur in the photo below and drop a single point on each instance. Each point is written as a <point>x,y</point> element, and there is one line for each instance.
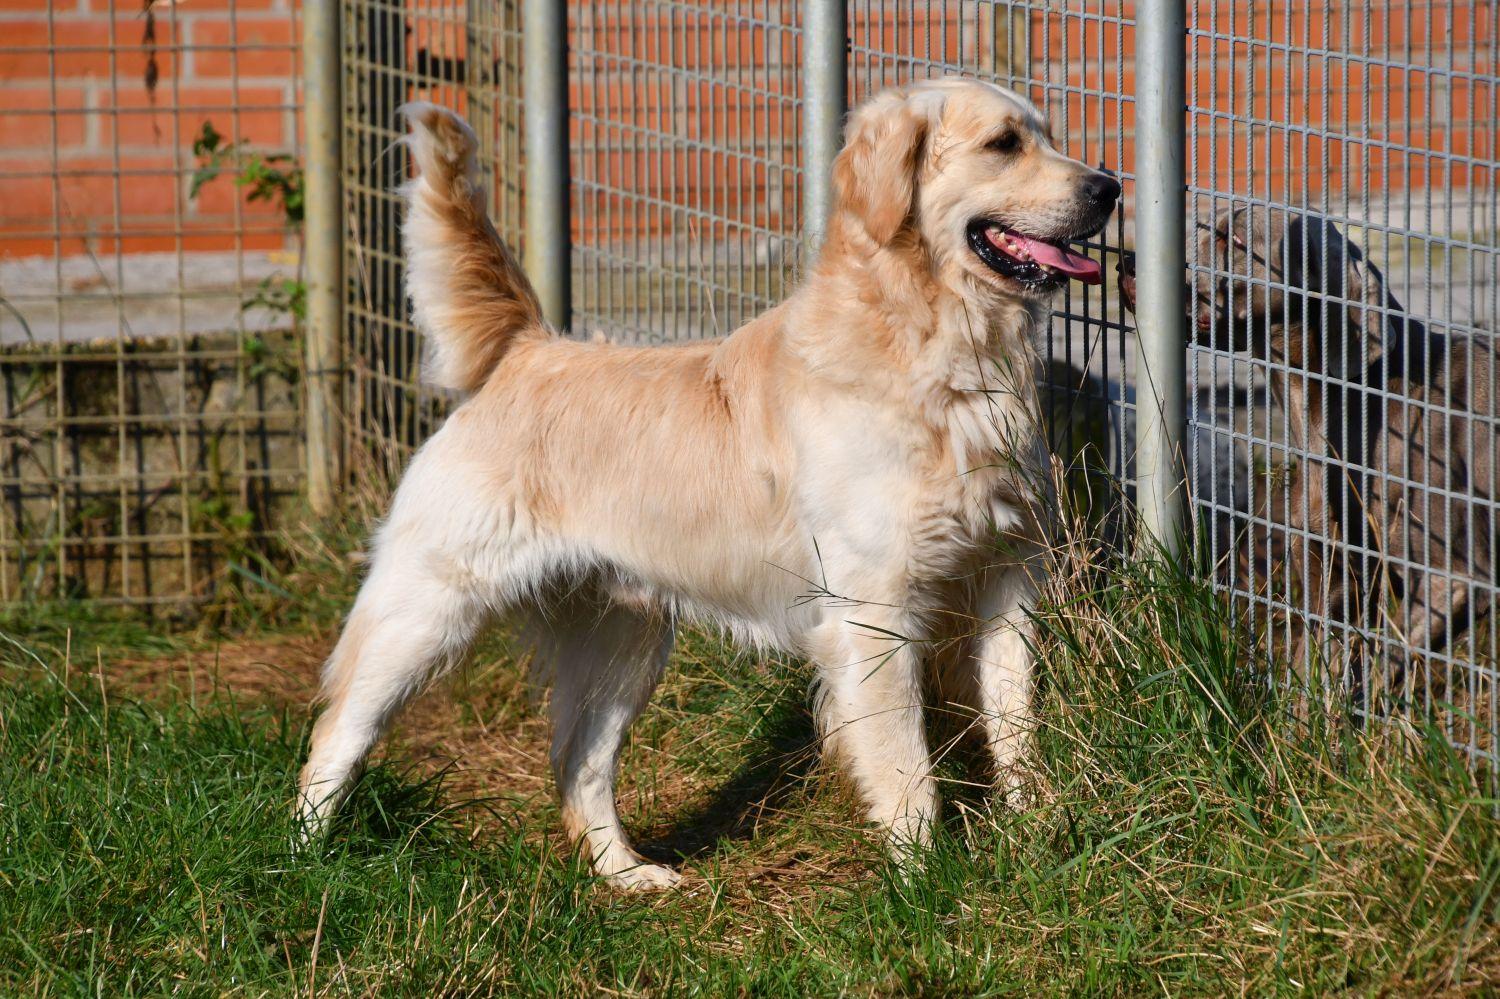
<point>861,462</point>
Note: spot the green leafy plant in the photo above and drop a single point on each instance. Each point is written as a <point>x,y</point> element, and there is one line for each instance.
<point>275,178</point>
<point>272,178</point>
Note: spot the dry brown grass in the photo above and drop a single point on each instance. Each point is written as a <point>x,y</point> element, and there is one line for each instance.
<point>1191,834</point>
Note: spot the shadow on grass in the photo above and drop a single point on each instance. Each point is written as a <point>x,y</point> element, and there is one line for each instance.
<point>403,807</point>
<point>784,757</point>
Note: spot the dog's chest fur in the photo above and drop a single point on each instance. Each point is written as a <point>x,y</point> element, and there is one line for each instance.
<point>985,474</point>
<point>917,432</point>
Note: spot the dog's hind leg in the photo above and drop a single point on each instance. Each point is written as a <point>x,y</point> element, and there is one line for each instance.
<point>606,659</point>
<point>406,627</point>
<point>1438,610</point>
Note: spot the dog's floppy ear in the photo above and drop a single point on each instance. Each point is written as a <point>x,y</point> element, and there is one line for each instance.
<point>875,176</point>
<point>1317,263</point>
<point>1364,287</point>
<point>1400,338</point>
<point>1322,259</point>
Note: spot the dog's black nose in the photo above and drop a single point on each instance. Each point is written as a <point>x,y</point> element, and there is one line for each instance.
<point>1102,189</point>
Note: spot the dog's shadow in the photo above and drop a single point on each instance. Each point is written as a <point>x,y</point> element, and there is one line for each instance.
<point>784,757</point>
<point>778,770</point>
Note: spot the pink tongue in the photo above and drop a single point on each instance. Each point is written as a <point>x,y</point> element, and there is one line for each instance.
<point>1059,258</point>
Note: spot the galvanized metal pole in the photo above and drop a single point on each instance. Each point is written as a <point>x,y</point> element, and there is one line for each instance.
<point>544,35</point>
<point>825,74</point>
<point>323,250</point>
<point>1161,318</point>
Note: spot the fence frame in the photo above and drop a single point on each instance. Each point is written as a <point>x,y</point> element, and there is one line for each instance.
<point>825,75</point>
<point>548,261</point>
<point>323,222</point>
<point>1161,262</point>
<point>694,129</point>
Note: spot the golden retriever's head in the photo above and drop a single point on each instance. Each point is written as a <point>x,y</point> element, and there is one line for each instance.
<point>966,168</point>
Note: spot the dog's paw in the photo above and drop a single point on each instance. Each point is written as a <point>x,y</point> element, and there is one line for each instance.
<point>1126,271</point>
<point>644,877</point>
<point>1014,791</point>
<point>621,867</point>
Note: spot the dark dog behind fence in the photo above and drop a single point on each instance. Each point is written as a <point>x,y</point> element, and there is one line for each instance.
<point>1391,517</point>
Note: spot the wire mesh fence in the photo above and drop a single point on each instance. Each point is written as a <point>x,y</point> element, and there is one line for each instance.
<point>685,177</point>
<point>1345,264</point>
<point>149,433</point>
<point>1352,552</point>
<point>1342,293</point>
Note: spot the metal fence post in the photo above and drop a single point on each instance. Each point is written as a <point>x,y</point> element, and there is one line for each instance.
<point>323,246</point>
<point>1160,200</point>
<point>544,30</point>
<point>825,74</point>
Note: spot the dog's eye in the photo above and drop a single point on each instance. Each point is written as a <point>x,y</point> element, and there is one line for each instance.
<point>1005,142</point>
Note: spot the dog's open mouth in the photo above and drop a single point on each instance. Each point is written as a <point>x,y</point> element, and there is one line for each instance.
<point>1028,259</point>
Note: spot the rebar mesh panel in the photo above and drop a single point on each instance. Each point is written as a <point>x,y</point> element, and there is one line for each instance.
<point>149,420</point>
<point>1355,523</point>
<point>685,184</point>
<point>463,56</point>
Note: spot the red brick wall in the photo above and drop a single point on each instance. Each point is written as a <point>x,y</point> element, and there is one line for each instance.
<point>89,158</point>
<point>1290,99</point>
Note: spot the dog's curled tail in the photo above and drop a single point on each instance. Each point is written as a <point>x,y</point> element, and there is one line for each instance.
<point>469,295</point>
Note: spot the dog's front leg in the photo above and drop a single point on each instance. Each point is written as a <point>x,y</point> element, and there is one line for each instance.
<point>1002,665</point>
<point>870,714</point>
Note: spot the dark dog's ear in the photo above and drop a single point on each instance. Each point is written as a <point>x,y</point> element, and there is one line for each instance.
<point>1372,307</point>
<point>875,176</point>
<point>1323,260</point>
<point>1316,263</point>
<point>1364,287</point>
<point>1385,325</point>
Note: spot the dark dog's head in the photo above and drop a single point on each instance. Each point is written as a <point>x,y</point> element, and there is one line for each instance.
<point>1265,281</point>
<point>1269,278</point>
<point>1237,286</point>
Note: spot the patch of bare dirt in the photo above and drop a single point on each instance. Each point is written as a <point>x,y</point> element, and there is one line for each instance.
<point>485,731</point>
<point>281,670</point>
<point>482,730</point>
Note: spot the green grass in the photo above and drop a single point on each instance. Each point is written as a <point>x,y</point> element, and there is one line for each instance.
<point>1189,835</point>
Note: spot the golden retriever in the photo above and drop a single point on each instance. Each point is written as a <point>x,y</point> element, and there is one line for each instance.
<point>853,476</point>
